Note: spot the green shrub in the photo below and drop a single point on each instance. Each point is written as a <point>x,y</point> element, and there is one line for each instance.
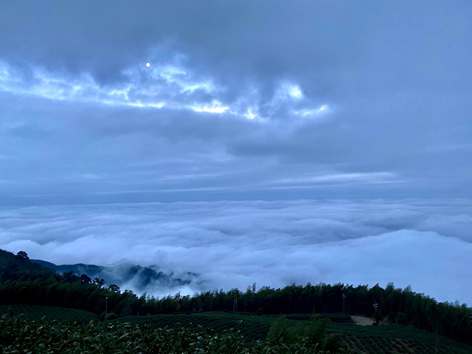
<point>280,331</point>
<point>401,319</point>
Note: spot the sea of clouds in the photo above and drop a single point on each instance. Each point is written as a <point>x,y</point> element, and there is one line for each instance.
<point>422,243</point>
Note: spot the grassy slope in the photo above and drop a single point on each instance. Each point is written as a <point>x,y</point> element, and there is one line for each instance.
<point>370,339</point>
<point>36,312</point>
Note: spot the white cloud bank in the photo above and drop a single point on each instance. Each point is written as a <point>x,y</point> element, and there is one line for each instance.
<point>425,243</point>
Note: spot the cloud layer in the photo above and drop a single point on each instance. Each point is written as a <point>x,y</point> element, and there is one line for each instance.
<point>302,100</point>
<point>425,243</point>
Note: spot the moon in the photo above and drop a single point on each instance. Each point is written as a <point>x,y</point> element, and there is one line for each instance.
<point>148,65</point>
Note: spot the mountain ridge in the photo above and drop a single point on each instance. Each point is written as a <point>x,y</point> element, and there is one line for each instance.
<point>126,275</point>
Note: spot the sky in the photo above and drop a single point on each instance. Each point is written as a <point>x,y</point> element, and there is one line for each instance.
<point>270,142</point>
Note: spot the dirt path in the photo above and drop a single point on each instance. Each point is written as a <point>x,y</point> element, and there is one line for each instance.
<point>362,321</point>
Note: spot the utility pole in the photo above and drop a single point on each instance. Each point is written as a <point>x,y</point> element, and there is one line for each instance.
<point>344,304</point>
<point>106,307</point>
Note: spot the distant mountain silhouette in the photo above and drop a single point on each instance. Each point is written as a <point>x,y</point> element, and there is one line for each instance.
<point>127,275</point>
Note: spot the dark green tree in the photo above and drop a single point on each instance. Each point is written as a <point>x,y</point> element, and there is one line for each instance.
<point>22,254</point>
<point>99,282</point>
<point>115,288</point>
<point>401,319</point>
<point>85,279</point>
<point>378,316</point>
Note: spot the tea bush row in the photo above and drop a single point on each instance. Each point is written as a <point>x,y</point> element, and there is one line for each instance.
<point>250,330</point>
<point>36,312</point>
<point>38,337</point>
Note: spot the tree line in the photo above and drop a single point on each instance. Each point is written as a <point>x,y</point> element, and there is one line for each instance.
<point>402,306</point>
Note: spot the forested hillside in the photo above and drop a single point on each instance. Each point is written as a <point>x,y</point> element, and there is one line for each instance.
<point>23,282</point>
<point>141,278</point>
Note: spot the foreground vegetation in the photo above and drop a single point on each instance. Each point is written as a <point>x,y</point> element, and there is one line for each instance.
<point>213,333</point>
<point>26,336</point>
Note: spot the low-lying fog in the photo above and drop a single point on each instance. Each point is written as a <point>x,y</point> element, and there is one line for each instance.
<point>422,243</point>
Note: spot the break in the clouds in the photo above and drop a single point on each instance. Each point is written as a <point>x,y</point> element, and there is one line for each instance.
<point>234,244</point>
<point>245,109</point>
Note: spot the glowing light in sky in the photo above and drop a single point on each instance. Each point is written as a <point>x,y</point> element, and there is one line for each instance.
<point>313,112</point>
<point>148,65</point>
<point>214,107</point>
<point>250,114</point>
<point>295,92</point>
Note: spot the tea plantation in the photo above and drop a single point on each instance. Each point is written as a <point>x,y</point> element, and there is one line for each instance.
<point>30,336</point>
<point>368,339</point>
<point>50,313</point>
<point>395,339</point>
<point>251,327</point>
<point>387,339</point>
